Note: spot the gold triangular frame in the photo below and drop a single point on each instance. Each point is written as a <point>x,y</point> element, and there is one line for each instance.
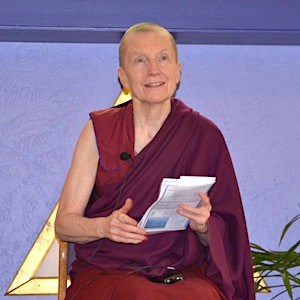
<point>123,97</point>
<point>25,282</point>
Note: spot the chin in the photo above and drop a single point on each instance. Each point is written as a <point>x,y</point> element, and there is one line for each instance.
<point>157,100</point>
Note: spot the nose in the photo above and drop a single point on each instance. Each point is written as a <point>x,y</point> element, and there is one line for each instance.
<point>153,68</point>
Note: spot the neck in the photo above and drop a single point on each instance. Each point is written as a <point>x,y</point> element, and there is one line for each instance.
<point>148,119</point>
<point>151,115</point>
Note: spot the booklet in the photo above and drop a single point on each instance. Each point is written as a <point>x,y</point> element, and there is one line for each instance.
<point>161,216</point>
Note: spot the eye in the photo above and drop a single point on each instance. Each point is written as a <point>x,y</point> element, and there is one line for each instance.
<point>140,60</point>
<point>164,57</point>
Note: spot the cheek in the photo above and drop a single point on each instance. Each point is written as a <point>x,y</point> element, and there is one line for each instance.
<point>175,79</point>
<point>135,77</point>
<point>135,86</point>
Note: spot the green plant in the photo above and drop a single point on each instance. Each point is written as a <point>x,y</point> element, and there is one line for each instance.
<point>276,264</point>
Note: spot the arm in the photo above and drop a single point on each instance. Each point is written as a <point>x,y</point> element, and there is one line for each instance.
<point>198,217</point>
<point>70,224</point>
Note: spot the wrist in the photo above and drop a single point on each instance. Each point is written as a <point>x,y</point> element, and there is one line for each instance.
<point>100,228</point>
<point>204,235</point>
<point>203,230</point>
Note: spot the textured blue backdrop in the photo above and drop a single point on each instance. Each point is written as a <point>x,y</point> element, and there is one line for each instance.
<point>47,90</point>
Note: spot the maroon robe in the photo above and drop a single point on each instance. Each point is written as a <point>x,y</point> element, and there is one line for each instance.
<point>187,144</point>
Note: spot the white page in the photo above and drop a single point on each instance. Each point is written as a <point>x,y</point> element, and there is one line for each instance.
<point>162,215</point>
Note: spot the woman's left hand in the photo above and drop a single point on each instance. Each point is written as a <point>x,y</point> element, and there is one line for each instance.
<point>198,215</point>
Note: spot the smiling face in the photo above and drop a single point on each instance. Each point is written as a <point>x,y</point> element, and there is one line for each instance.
<point>150,69</point>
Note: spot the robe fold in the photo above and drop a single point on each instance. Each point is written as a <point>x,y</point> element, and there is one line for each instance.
<point>187,144</point>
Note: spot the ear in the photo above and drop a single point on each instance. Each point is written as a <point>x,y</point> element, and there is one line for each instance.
<point>123,78</point>
<point>178,75</point>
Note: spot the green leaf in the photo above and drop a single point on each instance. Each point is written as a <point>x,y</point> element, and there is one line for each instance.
<point>257,247</point>
<point>275,264</point>
<point>287,226</point>
<point>286,281</point>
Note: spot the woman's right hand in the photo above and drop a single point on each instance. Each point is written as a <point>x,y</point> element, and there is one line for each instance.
<point>119,227</point>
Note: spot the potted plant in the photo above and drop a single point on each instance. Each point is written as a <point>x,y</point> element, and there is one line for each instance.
<point>278,264</point>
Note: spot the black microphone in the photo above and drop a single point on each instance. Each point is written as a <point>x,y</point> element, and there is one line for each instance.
<point>125,156</point>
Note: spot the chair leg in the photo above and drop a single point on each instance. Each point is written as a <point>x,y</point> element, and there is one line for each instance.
<point>62,270</point>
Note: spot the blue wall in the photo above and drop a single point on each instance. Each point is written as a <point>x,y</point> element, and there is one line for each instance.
<point>47,90</point>
<point>269,22</point>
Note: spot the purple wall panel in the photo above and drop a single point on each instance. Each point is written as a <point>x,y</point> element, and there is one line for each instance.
<point>47,90</point>
<point>192,21</point>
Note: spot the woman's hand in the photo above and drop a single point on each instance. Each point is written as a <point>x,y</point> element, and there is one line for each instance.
<point>119,227</point>
<point>198,215</point>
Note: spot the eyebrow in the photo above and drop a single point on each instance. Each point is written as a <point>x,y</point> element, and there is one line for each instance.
<point>142,53</point>
<point>165,50</point>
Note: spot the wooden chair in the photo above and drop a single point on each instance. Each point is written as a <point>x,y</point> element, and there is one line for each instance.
<point>63,276</point>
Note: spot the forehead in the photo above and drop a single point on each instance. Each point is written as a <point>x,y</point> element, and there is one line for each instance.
<point>150,41</point>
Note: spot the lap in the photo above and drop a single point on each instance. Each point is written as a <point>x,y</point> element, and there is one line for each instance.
<point>96,284</point>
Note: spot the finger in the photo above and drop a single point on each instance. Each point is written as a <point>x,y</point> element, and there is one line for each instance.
<point>205,200</point>
<point>198,218</point>
<point>123,211</point>
<point>127,206</point>
<point>194,213</point>
<point>119,218</point>
<point>122,220</point>
<point>198,214</point>
<point>128,234</point>
<point>121,239</point>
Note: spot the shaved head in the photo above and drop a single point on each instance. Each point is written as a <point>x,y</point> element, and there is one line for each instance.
<point>140,28</point>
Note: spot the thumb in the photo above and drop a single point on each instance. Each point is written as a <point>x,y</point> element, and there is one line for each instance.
<point>127,206</point>
<point>204,199</point>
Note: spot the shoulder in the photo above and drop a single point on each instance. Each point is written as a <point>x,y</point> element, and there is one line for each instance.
<point>87,135</point>
<point>209,132</point>
<point>206,124</point>
<point>109,113</point>
<point>104,113</point>
<point>203,124</point>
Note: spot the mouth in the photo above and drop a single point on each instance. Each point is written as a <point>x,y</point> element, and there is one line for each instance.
<point>154,84</point>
